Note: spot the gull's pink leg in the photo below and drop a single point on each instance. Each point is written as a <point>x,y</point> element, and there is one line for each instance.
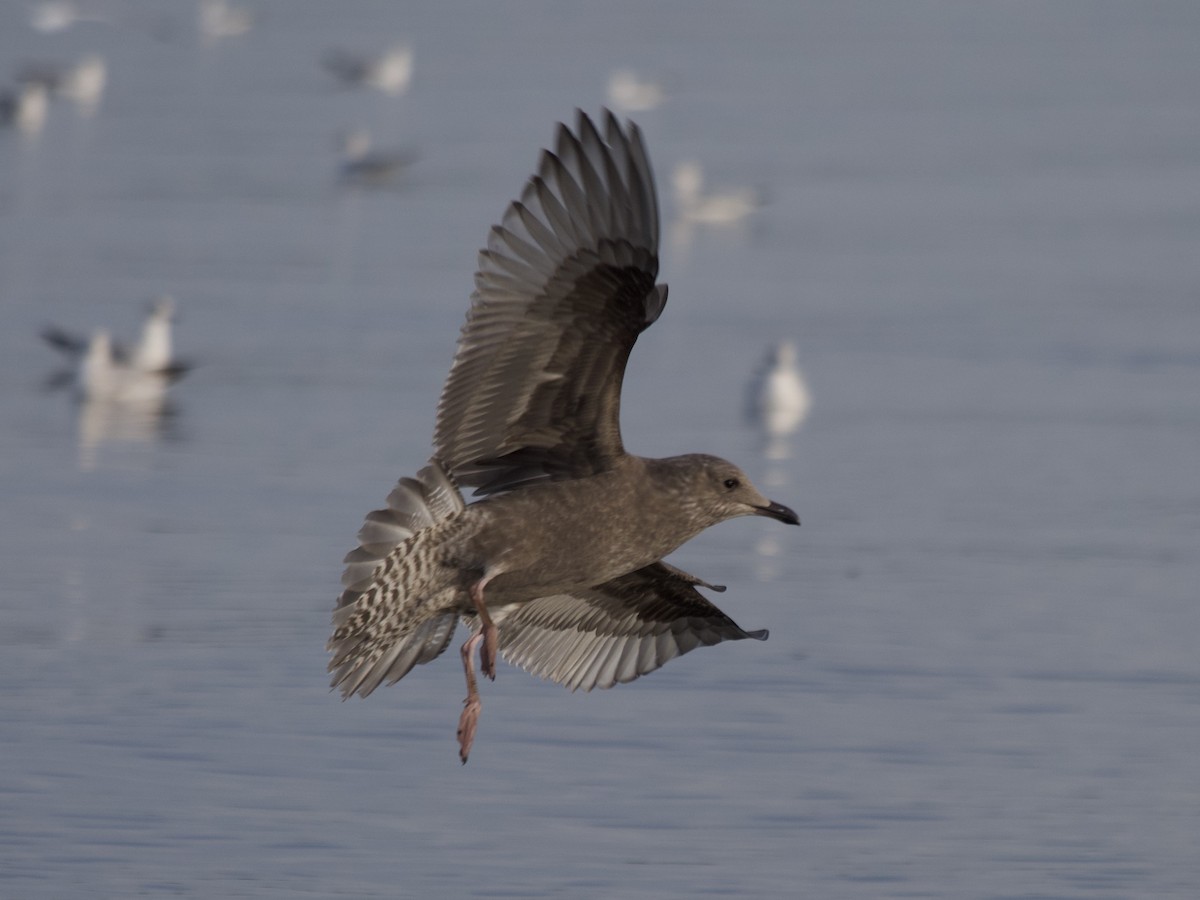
<point>471,706</point>
<point>487,655</point>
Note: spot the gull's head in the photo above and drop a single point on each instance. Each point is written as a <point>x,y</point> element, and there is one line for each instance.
<point>714,490</point>
<point>784,354</point>
<point>163,308</point>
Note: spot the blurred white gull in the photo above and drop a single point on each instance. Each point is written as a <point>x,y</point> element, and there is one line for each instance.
<point>363,165</point>
<point>726,207</point>
<point>24,107</point>
<point>217,19</point>
<point>82,83</point>
<point>391,72</point>
<point>778,399</point>
<point>104,377</point>
<point>50,16</point>
<point>155,351</point>
<point>107,371</point>
<point>629,93</point>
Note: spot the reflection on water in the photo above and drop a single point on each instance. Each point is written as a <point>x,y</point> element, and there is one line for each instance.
<point>103,421</point>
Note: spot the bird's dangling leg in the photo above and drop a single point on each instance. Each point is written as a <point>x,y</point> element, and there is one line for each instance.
<point>487,654</point>
<point>471,706</point>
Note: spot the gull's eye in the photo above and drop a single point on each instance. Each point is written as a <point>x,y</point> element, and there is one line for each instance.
<point>731,483</point>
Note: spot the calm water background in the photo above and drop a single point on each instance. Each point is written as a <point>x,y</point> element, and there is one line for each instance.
<point>983,678</point>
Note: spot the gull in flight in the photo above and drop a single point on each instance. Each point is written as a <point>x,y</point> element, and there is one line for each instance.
<point>559,567</point>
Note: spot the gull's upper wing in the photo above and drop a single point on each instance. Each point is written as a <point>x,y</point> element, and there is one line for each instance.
<point>564,287</point>
<point>616,631</point>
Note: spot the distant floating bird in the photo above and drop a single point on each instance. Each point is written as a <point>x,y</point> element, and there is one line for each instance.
<point>218,19</point>
<point>24,107</point>
<point>559,568</point>
<point>50,16</point>
<point>155,351</point>
<point>82,83</point>
<point>111,372</point>
<point>390,72</point>
<point>629,93</point>
<point>722,208</point>
<point>363,165</point>
<point>778,399</point>
<point>105,377</point>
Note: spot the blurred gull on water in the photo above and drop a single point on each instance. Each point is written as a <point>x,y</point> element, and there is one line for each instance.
<point>24,108</point>
<point>778,399</point>
<point>390,72</point>
<point>50,16</point>
<point>629,93</point>
<point>362,165</point>
<point>83,83</point>
<point>217,19</point>
<point>720,208</point>
<point>108,371</point>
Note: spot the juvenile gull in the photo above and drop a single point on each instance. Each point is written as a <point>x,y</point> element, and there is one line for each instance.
<point>559,568</point>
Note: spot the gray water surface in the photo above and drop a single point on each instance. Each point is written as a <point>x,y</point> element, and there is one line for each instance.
<point>983,677</point>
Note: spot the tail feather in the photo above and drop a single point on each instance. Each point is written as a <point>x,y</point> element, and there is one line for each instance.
<point>380,630</point>
<point>424,644</point>
<point>413,504</point>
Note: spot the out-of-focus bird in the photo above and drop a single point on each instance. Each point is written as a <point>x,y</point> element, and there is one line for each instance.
<point>109,371</point>
<point>82,83</point>
<point>50,16</point>
<point>24,107</point>
<point>363,165</point>
<point>629,93</point>
<point>718,208</point>
<point>778,399</point>
<point>390,72</point>
<point>218,19</point>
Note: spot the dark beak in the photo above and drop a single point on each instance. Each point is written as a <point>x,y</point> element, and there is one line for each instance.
<point>780,512</point>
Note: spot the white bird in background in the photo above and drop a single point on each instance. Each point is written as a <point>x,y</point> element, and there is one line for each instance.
<point>24,108</point>
<point>722,208</point>
<point>629,93</point>
<point>109,372</point>
<point>105,377</point>
<point>82,83</point>
<point>391,72</point>
<point>154,352</point>
<point>50,16</point>
<point>778,399</point>
<point>361,164</point>
<point>218,19</point>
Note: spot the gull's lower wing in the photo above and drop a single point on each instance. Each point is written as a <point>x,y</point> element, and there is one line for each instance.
<point>614,632</point>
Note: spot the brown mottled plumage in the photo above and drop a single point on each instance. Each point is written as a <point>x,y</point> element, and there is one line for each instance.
<point>559,567</point>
